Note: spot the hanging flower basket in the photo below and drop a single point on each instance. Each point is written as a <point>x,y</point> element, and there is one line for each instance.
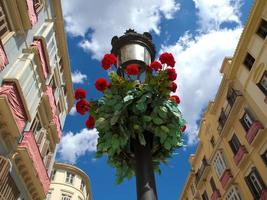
<point>131,110</point>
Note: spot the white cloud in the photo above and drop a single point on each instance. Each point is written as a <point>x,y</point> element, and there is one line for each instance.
<point>198,60</point>
<point>105,19</point>
<point>213,13</point>
<point>73,111</point>
<point>72,146</point>
<point>78,77</point>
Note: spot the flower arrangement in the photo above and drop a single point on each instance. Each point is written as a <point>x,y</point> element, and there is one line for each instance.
<point>128,110</point>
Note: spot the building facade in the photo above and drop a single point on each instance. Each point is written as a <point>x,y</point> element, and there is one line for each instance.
<point>69,183</point>
<point>230,162</point>
<point>36,94</point>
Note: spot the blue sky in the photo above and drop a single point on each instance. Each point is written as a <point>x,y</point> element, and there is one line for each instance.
<point>200,33</point>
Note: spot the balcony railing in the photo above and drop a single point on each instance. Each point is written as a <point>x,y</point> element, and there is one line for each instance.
<point>10,94</point>
<point>31,146</point>
<point>240,154</point>
<point>55,119</point>
<point>226,177</point>
<point>201,170</point>
<point>253,131</point>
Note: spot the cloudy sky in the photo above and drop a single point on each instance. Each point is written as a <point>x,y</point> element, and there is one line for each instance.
<point>199,33</point>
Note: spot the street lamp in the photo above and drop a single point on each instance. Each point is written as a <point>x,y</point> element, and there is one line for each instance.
<point>135,48</point>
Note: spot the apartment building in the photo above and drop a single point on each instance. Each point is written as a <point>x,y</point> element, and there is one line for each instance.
<point>36,94</point>
<point>69,182</point>
<point>230,162</point>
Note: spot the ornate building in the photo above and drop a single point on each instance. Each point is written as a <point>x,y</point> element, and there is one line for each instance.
<point>230,162</point>
<point>35,94</point>
<point>69,182</point>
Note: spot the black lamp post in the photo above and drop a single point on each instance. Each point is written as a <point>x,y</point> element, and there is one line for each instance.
<point>135,48</point>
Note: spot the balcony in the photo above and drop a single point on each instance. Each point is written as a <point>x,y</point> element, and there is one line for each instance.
<point>54,120</point>
<point>25,76</point>
<point>32,161</point>
<point>39,46</point>
<point>202,172</point>
<point>28,13</point>
<point>242,151</point>
<point>226,177</point>
<point>253,131</point>
<point>215,195</point>
<point>12,110</point>
<point>263,194</point>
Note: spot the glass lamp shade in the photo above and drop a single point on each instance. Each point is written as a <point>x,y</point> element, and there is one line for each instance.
<point>133,48</point>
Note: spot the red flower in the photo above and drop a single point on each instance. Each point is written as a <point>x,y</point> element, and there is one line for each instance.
<point>82,106</point>
<point>183,128</point>
<point>132,69</point>
<point>173,87</point>
<point>108,60</point>
<point>175,98</point>
<point>171,74</point>
<point>155,65</point>
<point>167,58</point>
<point>101,84</point>
<point>80,93</point>
<point>90,122</point>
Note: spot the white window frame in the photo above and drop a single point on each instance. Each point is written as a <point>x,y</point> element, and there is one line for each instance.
<point>219,163</point>
<point>65,196</point>
<point>69,177</point>
<point>233,194</point>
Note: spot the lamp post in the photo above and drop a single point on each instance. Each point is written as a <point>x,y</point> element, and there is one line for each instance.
<point>135,48</point>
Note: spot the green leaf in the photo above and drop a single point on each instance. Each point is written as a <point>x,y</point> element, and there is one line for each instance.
<point>141,107</point>
<point>115,118</point>
<point>157,120</point>
<point>128,98</point>
<point>165,129</point>
<point>147,118</point>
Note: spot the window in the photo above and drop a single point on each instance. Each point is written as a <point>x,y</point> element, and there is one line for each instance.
<point>231,97</point>
<point>65,197</point>
<point>219,164</point>
<point>212,184</point>
<point>82,185</point>
<point>69,178</point>
<point>36,125</point>
<point>4,27</point>
<point>255,183</point>
<point>263,83</point>
<point>262,31</point>
<point>192,187</point>
<point>212,141</point>
<point>233,194</point>
<point>246,121</point>
<point>222,119</point>
<point>205,196</point>
<point>53,174</point>
<point>234,144</point>
<point>264,157</point>
<point>249,61</point>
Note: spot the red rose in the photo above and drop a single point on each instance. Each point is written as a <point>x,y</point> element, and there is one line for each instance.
<point>90,122</point>
<point>132,69</point>
<point>173,87</point>
<point>101,84</point>
<point>167,58</point>
<point>175,98</point>
<point>108,60</point>
<point>80,93</point>
<point>82,106</point>
<point>171,74</point>
<point>183,128</point>
<point>155,65</point>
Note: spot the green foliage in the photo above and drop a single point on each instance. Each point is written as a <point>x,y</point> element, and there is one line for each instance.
<point>127,111</point>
